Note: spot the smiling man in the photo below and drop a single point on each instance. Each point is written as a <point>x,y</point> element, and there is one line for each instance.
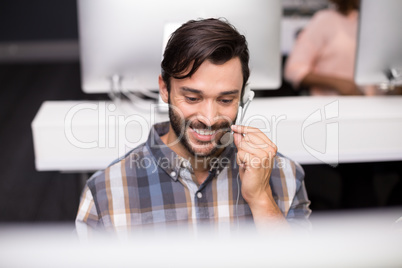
<point>192,177</point>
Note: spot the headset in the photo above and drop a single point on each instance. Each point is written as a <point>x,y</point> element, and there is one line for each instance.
<point>243,105</point>
<point>248,96</point>
<point>241,111</point>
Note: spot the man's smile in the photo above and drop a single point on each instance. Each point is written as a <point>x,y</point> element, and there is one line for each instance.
<point>203,134</point>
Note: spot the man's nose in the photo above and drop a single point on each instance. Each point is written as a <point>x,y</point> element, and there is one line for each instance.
<point>209,113</point>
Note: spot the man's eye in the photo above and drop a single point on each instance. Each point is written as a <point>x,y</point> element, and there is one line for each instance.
<point>191,99</point>
<point>226,101</point>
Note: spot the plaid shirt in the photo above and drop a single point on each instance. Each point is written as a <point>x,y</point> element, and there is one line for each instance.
<point>152,185</point>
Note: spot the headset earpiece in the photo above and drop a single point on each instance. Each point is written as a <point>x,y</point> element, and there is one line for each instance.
<point>251,95</point>
<point>245,94</point>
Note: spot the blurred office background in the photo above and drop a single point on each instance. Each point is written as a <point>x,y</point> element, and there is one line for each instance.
<point>39,61</point>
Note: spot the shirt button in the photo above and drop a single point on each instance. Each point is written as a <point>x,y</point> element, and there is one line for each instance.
<point>173,174</point>
<point>199,195</point>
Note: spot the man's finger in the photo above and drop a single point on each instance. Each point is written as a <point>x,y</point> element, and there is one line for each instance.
<point>244,130</point>
<point>244,147</point>
<point>254,137</point>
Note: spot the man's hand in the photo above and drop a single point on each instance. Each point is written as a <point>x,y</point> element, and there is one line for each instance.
<point>255,157</point>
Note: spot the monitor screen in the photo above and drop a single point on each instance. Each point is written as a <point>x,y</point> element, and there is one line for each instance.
<point>126,38</point>
<point>379,49</point>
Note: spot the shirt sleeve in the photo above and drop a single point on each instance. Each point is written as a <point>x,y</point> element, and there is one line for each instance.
<point>289,191</point>
<point>307,49</point>
<point>87,220</point>
<point>299,210</point>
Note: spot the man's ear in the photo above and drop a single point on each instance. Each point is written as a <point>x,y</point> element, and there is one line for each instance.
<point>163,89</point>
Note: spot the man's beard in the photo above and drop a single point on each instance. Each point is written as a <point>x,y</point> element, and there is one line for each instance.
<point>180,125</point>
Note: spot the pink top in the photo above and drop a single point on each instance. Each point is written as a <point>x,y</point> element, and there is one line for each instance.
<point>325,46</point>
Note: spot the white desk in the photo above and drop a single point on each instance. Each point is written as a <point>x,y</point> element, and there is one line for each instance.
<point>87,135</point>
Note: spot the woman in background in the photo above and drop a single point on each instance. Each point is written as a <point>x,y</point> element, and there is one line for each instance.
<point>323,57</point>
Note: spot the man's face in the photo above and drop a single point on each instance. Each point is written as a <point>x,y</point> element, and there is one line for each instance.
<point>203,106</point>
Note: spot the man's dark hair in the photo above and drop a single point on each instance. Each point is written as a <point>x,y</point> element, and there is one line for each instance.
<point>198,40</point>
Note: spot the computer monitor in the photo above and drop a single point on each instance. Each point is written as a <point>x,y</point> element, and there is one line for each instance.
<point>125,38</point>
<point>379,49</point>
